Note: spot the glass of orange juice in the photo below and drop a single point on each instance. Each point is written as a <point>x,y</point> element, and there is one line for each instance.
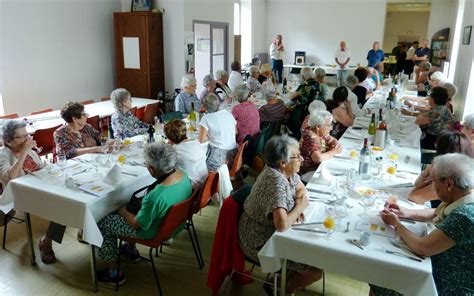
<point>121,159</point>
<point>329,221</point>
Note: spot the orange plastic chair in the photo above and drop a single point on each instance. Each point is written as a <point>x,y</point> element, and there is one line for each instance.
<point>208,189</point>
<point>140,114</point>
<point>41,111</point>
<point>134,110</point>
<point>151,111</point>
<point>106,98</point>
<point>87,102</point>
<point>94,121</point>
<point>10,116</point>
<point>235,169</point>
<point>44,138</point>
<point>175,217</point>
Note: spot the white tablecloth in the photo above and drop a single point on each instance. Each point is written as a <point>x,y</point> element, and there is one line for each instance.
<point>328,69</point>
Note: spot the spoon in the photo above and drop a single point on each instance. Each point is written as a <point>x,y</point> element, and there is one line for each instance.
<point>347,227</point>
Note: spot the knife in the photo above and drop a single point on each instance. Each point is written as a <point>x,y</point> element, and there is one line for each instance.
<point>309,230</point>
<point>310,223</point>
<point>128,173</point>
<point>355,243</point>
<point>403,255</point>
<point>318,191</point>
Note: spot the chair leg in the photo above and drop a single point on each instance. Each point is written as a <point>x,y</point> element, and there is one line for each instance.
<point>156,252</point>
<point>253,266</point>
<point>194,247</point>
<point>155,272</point>
<point>118,267</point>
<point>197,243</point>
<point>324,283</point>
<point>5,231</point>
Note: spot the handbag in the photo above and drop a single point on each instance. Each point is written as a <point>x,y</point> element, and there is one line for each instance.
<point>135,203</point>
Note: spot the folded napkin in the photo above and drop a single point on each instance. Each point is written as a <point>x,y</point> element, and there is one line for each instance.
<point>325,177</point>
<point>113,176</point>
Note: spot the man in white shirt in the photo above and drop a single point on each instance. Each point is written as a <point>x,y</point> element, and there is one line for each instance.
<point>235,77</point>
<point>277,51</point>
<point>343,56</point>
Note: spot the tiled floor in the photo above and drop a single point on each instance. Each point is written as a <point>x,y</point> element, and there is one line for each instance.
<point>177,266</point>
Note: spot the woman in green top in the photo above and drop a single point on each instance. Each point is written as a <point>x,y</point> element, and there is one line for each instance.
<point>173,186</point>
<point>451,244</point>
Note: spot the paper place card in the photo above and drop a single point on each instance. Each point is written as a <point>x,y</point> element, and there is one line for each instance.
<point>376,226</point>
<point>97,188</point>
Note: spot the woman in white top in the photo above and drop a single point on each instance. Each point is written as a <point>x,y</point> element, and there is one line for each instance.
<point>235,77</point>
<point>220,128</point>
<point>191,156</point>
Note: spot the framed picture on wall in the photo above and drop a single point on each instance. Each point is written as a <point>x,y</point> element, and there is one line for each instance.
<point>466,35</point>
<point>141,5</point>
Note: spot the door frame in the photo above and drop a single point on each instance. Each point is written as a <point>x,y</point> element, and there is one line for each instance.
<point>226,41</point>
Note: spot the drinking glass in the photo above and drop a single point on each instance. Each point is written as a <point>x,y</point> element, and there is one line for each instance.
<point>329,222</point>
<point>97,163</point>
<point>61,162</point>
<point>367,202</point>
<point>121,159</point>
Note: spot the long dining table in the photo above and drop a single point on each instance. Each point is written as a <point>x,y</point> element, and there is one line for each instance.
<point>381,262</point>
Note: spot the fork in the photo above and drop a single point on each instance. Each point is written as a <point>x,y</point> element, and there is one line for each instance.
<point>347,227</point>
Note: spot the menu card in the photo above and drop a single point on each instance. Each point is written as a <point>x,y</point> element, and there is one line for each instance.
<point>97,188</point>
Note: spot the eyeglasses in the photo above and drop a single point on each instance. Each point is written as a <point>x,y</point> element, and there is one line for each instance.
<point>21,137</point>
<point>299,157</point>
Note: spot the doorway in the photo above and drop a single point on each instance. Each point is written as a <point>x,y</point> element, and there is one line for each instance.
<point>211,49</point>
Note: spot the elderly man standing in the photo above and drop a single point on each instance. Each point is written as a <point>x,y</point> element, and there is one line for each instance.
<point>276,54</point>
<point>375,55</point>
<point>422,53</point>
<point>343,56</point>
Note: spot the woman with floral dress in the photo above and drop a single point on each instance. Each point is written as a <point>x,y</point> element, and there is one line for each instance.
<point>124,123</point>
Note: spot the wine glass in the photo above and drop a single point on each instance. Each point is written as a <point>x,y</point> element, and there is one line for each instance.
<point>61,162</point>
<point>97,163</point>
<point>367,202</point>
<point>329,222</point>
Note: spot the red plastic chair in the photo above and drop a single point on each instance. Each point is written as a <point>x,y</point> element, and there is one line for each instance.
<point>175,217</point>
<point>208,189</point>
<point>134,110</point>
<point>87,102</point>
<point>10,116</point>
<point>42,111</point>
<point>44,138</point>
<point>151,111</point>
<point>140,114</point>
<point>94,121</point>
<point>238,160</point>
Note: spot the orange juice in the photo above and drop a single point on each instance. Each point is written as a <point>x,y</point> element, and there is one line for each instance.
<point>328,223</point>
<point>121,159</point>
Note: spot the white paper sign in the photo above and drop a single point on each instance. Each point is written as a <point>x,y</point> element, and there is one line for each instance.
<point>131,53</point>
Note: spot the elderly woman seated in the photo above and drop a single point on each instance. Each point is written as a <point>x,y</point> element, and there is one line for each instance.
<point>434,79</point>
<point>266,74</point>
<point>468,127</point>
<point>369,83</point>
<point>222,88</point>
<point>276,202</point>
<point>452,91</point>
<point>76,136</point>
<point>172,186</point>
<point>187,96</point>
<point>235,77</point>
<point>18,158</point>
<point>246,115</point>
<point>219,128</point>
<point>422,79</point>
<point>447,142</point>
<point>437,119</point>
<point>308,90</point>
<point>450,244</point>
<point>191,157</point>
<point>275,108</point>
<point>319,75</point>
<point>209,84</point>
<point>252,82</point>
<point>313,107</point>
<point>124,123</point>
<point>316,145</point>
<point>341,110</point>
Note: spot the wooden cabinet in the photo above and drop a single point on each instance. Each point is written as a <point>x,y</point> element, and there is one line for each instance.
<point>139,53</point>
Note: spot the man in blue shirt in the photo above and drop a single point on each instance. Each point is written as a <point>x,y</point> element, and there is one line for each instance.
<point>423,53</point>
<point>375,55</point>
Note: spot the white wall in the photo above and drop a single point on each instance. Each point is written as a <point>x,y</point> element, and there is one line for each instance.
<point>317,27</point>
<point>54,52</point>
<point>413,24</point>
<point>259,13</point>
<point>440,17</point>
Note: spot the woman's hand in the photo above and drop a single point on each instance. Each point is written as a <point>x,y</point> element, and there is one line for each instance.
<point>302,202</point>
<point>397,210</point>
<point>28,144</point>
<point>389,217</point>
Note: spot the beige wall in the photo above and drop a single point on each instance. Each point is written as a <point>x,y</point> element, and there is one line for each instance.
<point>404,24</point>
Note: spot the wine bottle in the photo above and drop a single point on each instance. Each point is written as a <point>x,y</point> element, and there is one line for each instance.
<point>285,82</point>
<point>192,118</point>
<point>381,133</point>
<point>372,129</point>
<point>364,159</point>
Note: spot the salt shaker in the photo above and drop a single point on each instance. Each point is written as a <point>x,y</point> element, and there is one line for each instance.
<point>365,238</point>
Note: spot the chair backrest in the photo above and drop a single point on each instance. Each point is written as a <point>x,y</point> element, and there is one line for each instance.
<point>44,138</point>
<point>87,102</point>
<point>151,110</point>
<point>238,160</point>
<point>10,116</point>
<point>42,111</point>
<point>140,114</point>
<point>176,216</point>
<point>94,121</point>
<point>208,189</point>
<point>106,98</point>
<point>241,195</point>
<point>133,110</point>
<point>264,136</point>
<point>171,115</point>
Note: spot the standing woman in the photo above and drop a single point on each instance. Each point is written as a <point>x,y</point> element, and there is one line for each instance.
<point>277,50</point>
<point>124,123</point>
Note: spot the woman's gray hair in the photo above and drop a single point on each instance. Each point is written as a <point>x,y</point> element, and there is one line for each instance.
<point>306,73</point>
<point>268,90</point>
<point>469,121</point>
<point>207,80</point>
<point>253,70</point>
<point>221,74</point>
<point>210,103</point>
<point>319,118</point>
<point>316,105</point>
<point>437,76</point>
<point>9,129</point>
<point>161,157</point>
<point>118,97</point>
<point>187,81</point>
<point>451,88</point>
<point>352,81</point>
<point>278,149</point>
<point>319,73</point>
<point>241,93</point>
<point>456,166</point>
<point>424,66</point>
